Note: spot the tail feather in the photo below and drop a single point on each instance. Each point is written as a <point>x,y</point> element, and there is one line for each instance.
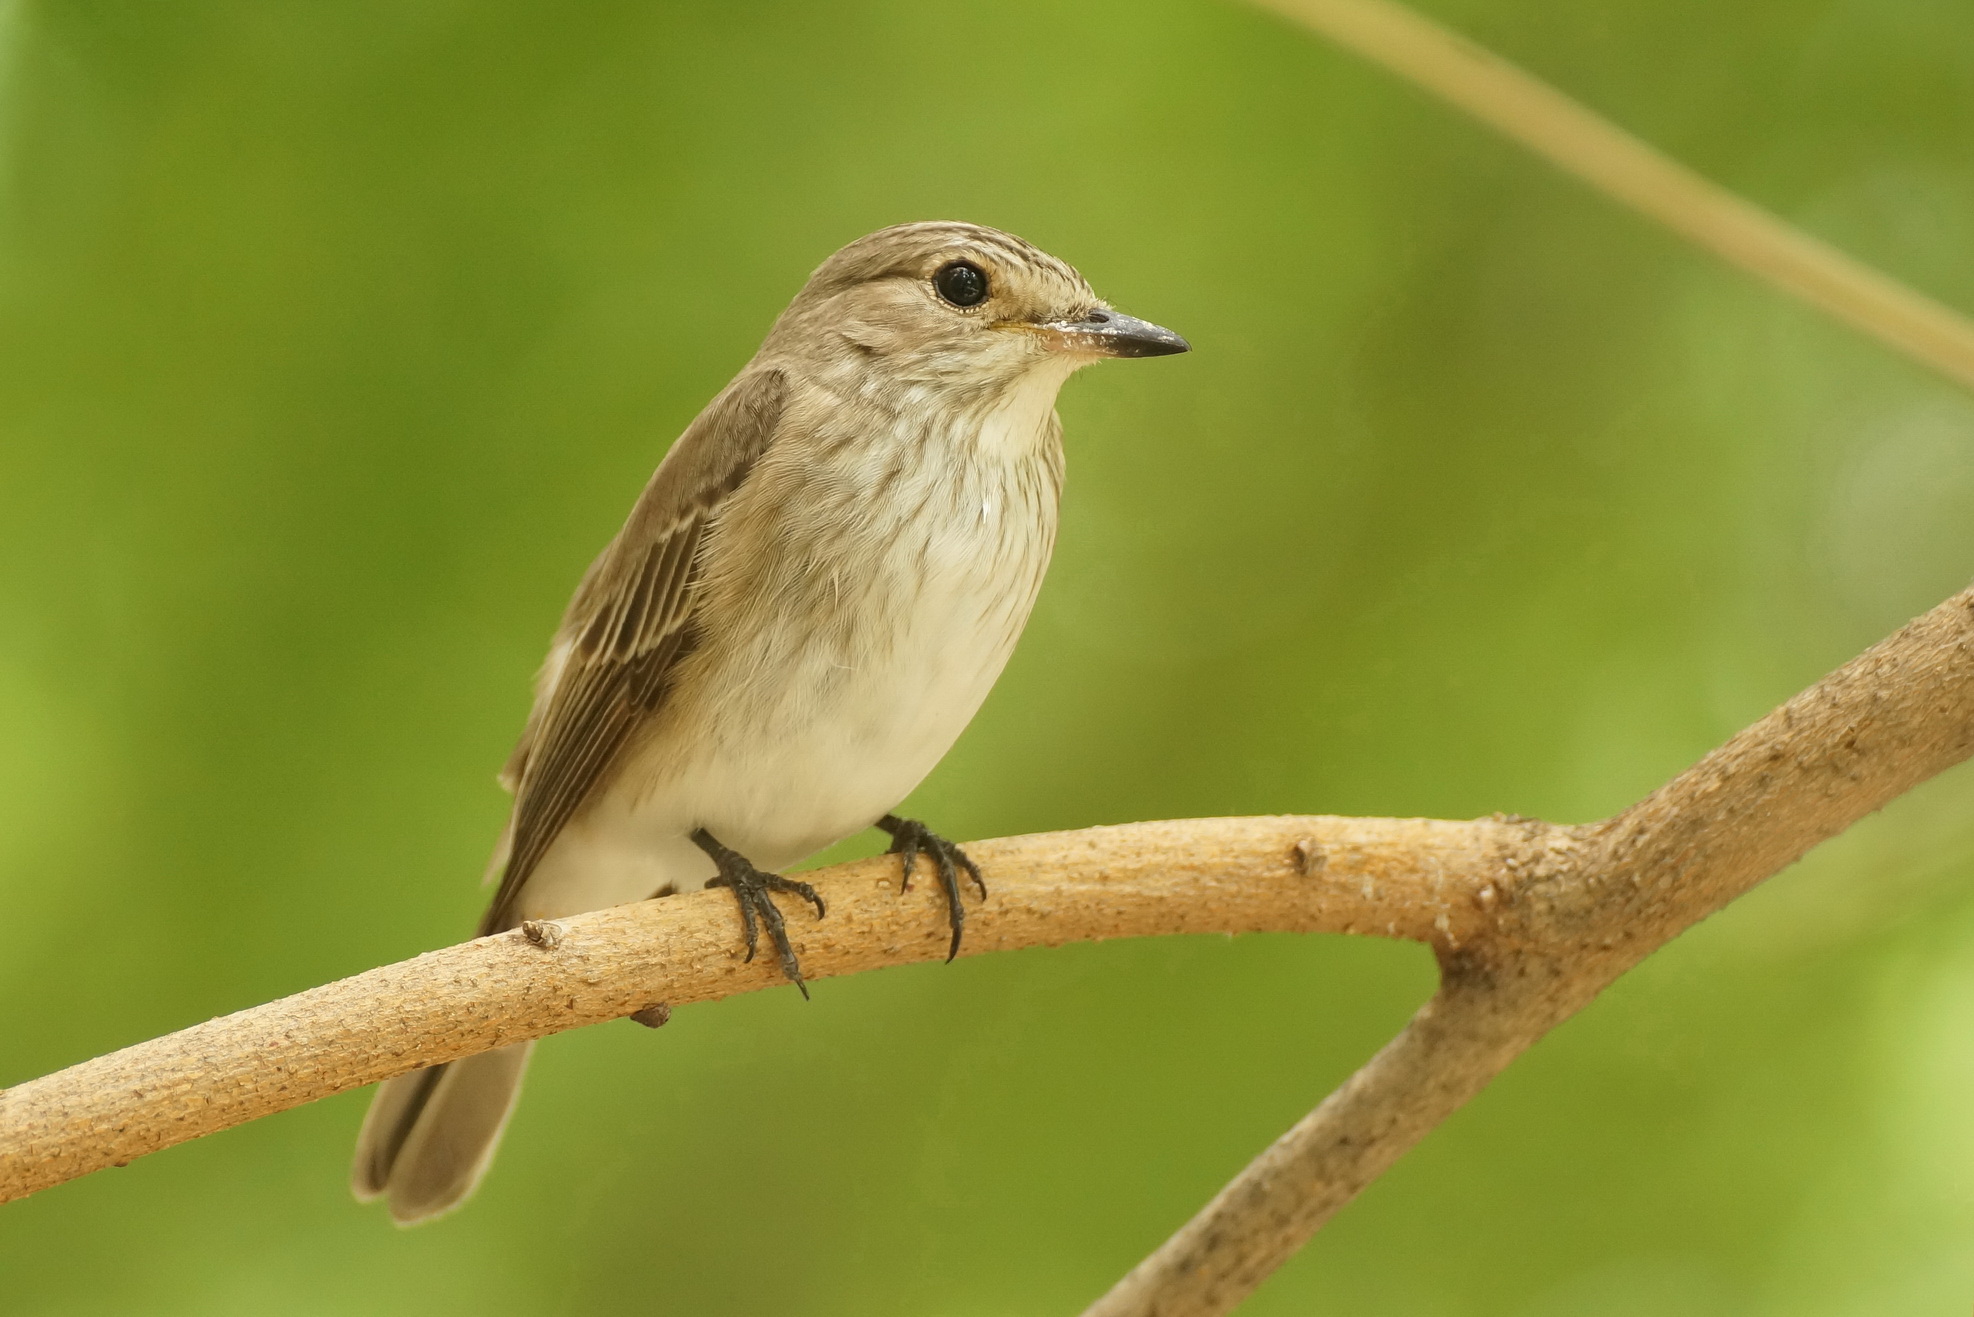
<point>430,1135</point>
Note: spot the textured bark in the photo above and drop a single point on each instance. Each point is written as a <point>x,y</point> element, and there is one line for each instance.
<point>1529,920</point>
<point>1573,909</point>
<point>1411,878</point>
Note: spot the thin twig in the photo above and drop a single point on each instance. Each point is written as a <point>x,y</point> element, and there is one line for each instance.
<point>1585,144</point>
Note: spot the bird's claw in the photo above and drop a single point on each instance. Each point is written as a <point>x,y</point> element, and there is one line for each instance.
<point>910,839</point>
<point>753,890</point>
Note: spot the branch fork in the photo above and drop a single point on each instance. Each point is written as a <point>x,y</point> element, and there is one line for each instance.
<point>1529,920</point>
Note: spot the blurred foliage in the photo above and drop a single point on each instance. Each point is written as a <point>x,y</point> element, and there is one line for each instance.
<point>335,338</point>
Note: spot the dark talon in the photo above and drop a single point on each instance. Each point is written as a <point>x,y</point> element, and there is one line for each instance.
<point>753,890</point>
<point>910,839</point>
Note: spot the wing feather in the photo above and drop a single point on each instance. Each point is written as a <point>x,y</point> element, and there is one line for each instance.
<point>631,621</point>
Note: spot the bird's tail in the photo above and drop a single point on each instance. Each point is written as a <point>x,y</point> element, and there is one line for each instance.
<point>430,1135</point>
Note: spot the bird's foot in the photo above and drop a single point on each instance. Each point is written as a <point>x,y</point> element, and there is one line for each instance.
<point>910,838</point>
<point>754,889</point>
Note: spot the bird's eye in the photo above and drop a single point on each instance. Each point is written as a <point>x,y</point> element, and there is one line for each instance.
<point>962,283</point>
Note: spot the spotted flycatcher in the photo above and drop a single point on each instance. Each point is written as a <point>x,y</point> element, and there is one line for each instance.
<point>805,608</point>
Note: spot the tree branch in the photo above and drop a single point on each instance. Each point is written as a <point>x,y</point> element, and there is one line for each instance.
<point>1408,878</point>
<point>1580,142</point>
<point>1574,910</point>
<point>1530,921</point>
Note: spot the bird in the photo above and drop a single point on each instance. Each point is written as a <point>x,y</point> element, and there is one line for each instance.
<point>804,609</point>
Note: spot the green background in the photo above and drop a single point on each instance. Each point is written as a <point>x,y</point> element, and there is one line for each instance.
<point>335,338</point>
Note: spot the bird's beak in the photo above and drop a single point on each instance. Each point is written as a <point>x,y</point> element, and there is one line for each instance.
<point>1106,333</point>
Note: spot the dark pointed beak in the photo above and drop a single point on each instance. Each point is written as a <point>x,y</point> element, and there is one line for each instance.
<point>1107,333</point>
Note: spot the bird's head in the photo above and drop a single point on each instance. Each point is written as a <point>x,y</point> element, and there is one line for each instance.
<point>956,305</point>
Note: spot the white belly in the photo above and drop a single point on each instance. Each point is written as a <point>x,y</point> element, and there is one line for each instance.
<point>783,736</point>
<point>846,741</point>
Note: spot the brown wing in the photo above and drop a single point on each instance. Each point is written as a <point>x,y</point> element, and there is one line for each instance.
<point>627,627</point>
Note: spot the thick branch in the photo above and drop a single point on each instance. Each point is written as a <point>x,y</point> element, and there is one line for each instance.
<point>1410,878</point>
<point>1577,910</point>
<point>1530,922</point>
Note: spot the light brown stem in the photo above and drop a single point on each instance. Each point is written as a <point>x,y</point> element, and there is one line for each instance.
<point>1577,909</point>
<point>1530,922</point>
<point>1412,878</point>
<point>1585,144</point>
